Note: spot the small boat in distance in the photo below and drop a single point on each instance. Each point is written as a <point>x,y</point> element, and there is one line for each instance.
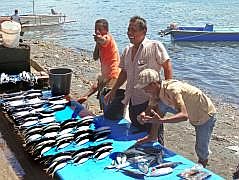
<point>206,33</point>
<point>31,21</point>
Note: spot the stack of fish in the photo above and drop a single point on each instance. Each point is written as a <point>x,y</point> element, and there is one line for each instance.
<point>23,76</point>
<point>34,117</point>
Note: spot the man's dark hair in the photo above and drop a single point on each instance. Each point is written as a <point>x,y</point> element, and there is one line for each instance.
<point>104,22</point>
<point>16,10</point>
<point>142,23</point>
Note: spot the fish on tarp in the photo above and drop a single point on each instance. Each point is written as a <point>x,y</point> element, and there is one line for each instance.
<point>80,133</point>
<point>82,128</point>
<point>32,95</point>
<point>51,168</point>
<point>58,167</point>
<point>53,98</point>
<point>32,144</point>
<point>63,143</point>
<point>13,98</point>
<point>34,101</point>
<point>167,164</point>
<point>31,128</point>
<point>16,103</point>
<point>59,158</point>
<point>161,171</point>
<point>83,157</point>
<point>60,101</point>
<point>46,120</point>
<point>66,135</point>
<point>46,114</point>
<point>37,130</point>
<point>68,121</point>
<point>110,147</point>
<point>13,110</point>
<point>8,95</point>
<point>65,138</point>
<point>102,154</point>
<point>102,129</point>
<point>51,126</point>
<point>87,117</point>
<point>58,107</point>
<point>85,121</point>
<point>39,145</point>
<point>40,150</point>
<point>37,105</point>
<point>70,124</point>
<point>33,137</point>
<point>67,130</point>
<point>50,134</point>
<point>83,139</point>
<point>83,151</point>
<point>103,144</point>
<point>47,160</point>
<point>32,91</point>
<point>99,136</point>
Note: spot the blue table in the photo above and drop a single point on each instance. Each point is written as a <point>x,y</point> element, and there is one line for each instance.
<point>122,138</point>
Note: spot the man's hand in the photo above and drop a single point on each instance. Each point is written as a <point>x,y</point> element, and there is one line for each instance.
<point>146,139</point>
<point>99,39</point>
<point>82,99</point>
<point>140,117</point>
<point>154,119</point>
<point>109,97</point>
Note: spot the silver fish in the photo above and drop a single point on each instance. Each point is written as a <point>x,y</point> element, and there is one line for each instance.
<point>102,154</point>
<point>87,117</point>
<point>33,138</point>
<point>161,171</point>
<point>58,167</point>
<point>82,158</point>
<point>54,165</point>
<point>29,123</point>
<point>66,135</point>
<point>61,101</point>
<point>51,134</point>
<point>47,120</point>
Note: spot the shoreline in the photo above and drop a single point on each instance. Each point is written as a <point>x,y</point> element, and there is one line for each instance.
<point>179,137</point>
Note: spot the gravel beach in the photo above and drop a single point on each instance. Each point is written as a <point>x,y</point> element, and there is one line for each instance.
<point>179,137</point>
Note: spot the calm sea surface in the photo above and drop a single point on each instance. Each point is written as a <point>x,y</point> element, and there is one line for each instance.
<point>213,67</point>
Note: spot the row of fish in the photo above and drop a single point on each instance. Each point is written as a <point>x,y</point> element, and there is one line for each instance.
<point>52,163</point>
<point>33,116</point>
<point>39,140</point>
<point>23,76</point>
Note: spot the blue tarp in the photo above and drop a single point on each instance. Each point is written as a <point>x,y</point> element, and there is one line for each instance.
<point>122,137</point>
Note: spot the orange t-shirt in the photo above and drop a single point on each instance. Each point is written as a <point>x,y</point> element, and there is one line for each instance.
<point>109,58</point>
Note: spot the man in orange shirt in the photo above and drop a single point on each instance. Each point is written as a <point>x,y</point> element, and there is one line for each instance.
<point>106,50</point>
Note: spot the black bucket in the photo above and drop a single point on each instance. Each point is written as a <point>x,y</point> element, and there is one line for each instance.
<point>60,81</point>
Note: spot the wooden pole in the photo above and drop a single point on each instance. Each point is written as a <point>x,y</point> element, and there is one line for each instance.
<point>33,6</point>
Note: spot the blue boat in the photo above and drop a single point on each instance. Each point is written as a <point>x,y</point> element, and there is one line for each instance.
<point>206,33</point>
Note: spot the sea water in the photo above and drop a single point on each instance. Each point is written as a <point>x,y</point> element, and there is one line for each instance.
<point>213,67</point>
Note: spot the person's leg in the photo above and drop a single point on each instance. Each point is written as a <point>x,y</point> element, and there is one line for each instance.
<point>236,173</point>
<point>203,135</point>
<point>134,111</point>
<point>163,109</point>
<point>115,110</point>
